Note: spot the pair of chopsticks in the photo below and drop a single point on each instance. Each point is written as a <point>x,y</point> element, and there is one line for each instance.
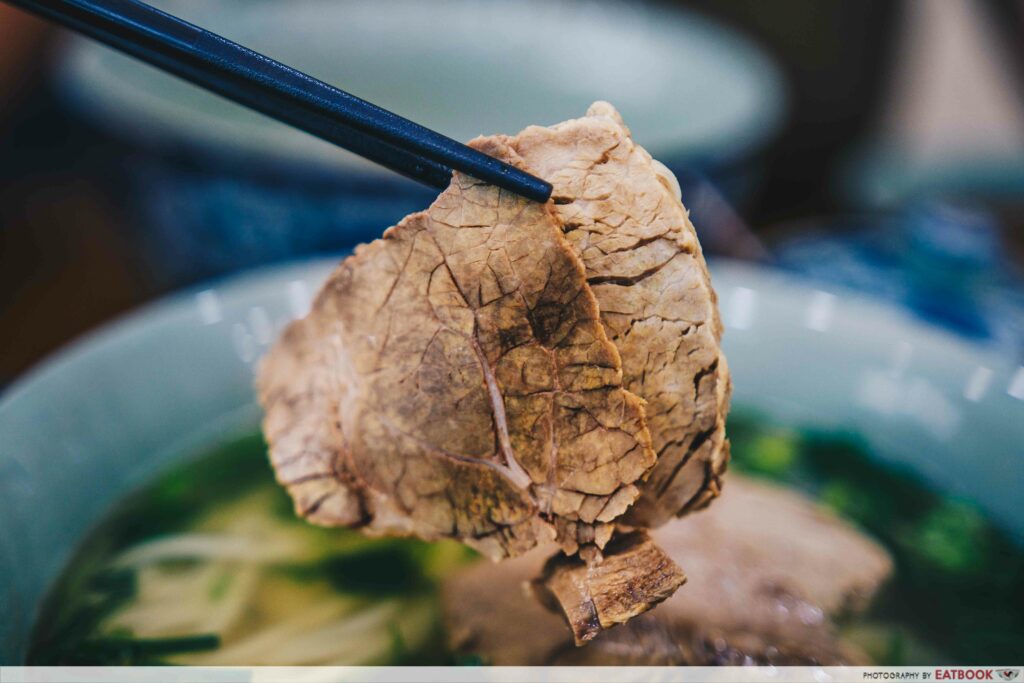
<point>272,88</point>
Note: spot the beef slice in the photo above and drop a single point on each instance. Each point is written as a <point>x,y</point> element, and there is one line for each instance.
<point>508,373</point>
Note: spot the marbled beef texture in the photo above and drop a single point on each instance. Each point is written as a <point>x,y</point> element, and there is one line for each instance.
<point>622,216</point>
<point>454,380</point>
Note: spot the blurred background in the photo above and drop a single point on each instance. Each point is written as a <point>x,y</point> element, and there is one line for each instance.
<point>877,145</point>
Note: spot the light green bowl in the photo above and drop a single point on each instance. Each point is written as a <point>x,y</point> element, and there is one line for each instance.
<point>107,413</point>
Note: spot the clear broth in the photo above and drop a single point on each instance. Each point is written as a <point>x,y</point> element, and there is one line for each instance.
<point>209,565</point>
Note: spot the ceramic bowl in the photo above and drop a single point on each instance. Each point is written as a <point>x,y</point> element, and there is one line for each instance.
<point>175,378</point>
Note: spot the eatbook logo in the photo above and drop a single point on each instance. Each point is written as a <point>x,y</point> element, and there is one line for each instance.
<point>1008,674</point>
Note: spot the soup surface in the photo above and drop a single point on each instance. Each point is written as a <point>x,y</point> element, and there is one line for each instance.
<point>210,566</point>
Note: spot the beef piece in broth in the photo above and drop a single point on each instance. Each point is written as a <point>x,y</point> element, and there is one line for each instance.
<point>769,571</point>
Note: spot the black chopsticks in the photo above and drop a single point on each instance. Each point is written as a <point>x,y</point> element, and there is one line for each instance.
<point>265,85</point>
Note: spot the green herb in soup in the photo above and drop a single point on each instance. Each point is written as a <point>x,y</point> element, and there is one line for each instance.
<point>210,566</point>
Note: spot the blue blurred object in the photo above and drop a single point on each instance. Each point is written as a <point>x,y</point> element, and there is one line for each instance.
<point>943,261</point>
<point>201,221</point>
<point>219,188</point>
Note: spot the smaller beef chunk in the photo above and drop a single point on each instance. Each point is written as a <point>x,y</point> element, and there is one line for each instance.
<point>768,572</point>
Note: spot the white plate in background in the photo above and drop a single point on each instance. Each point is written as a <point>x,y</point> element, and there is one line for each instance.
<point>688,87</point>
